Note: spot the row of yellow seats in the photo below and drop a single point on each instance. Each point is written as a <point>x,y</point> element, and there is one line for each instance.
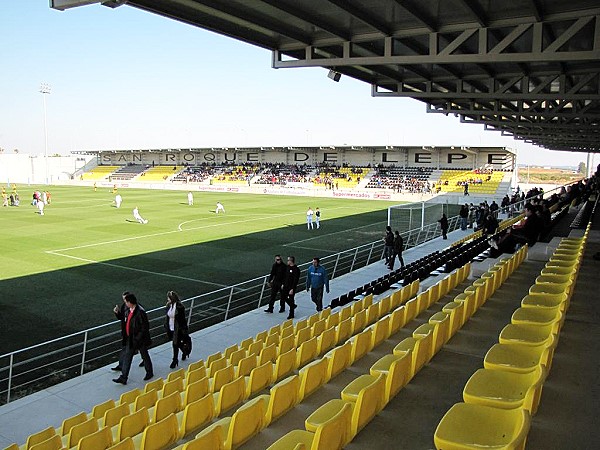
<point>231,432</point>
<point>362,314</point>
<point>99,172</point>
<point>506,392</point>
<point>337,422</point>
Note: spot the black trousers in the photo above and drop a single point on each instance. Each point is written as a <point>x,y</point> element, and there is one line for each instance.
<point>316,295</point>
<point>175,344</point>
<point>128,357</point>
<point>289,300</point>
<point>276,288</point>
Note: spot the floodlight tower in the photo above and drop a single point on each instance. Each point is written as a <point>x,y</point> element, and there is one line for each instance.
<point>45,90</point>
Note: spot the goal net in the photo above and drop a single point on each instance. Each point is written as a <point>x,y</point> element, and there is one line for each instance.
<point>412,216</point>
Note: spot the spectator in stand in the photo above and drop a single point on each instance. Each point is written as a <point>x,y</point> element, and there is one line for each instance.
<point>276,279</point>
<point>176,326</point>
<point>490,225</point>
<point>530,228</point>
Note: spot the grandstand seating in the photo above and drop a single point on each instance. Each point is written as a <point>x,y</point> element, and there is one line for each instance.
<point>128,172</point>
<point>159,173</point>
<point>412,179</point>
<point>99,173</point>
<point>342,177</point>
<point>451,181</point>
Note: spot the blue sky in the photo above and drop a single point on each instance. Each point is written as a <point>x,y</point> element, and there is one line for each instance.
<point>125,78</point>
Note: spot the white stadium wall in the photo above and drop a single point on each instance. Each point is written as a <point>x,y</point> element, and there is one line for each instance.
<point>31,169</point>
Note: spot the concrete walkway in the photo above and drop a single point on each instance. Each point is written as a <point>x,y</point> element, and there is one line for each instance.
<point>51,406</point>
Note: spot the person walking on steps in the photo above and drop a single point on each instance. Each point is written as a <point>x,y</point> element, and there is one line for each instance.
<point>175,325</point>
<point>290,284</point>
<point>137,328</point>
<point>388,249</point>
<point>121,313</point>
<point>276,279</point>
<point>316,280</point>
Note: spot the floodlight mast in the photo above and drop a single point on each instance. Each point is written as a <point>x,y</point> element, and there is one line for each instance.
<point>45,90</point>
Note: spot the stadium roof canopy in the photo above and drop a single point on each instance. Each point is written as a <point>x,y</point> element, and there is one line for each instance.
<point>527,68</point>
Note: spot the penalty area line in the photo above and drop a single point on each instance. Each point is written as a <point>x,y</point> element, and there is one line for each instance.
<point>293,244</point>
<point>117,266</point>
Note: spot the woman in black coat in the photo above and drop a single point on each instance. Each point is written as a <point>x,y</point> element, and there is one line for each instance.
<point>176,325</point>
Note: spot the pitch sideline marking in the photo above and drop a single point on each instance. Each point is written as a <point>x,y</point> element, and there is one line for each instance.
<point>55,253</point>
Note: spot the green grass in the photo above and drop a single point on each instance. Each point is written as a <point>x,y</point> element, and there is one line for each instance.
<point>64,271</point>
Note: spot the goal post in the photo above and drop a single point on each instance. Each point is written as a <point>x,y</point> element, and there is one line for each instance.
<point>412,216</point>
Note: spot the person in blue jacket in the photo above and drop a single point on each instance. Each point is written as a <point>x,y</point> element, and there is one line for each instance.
<point>316,280</point>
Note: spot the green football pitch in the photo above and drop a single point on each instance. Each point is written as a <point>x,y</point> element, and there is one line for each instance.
<point>63,272</point>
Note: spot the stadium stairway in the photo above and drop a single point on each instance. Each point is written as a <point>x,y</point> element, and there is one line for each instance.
<point>51,406</point>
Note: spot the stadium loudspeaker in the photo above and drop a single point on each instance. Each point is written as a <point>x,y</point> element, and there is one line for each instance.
<point>335,76</point>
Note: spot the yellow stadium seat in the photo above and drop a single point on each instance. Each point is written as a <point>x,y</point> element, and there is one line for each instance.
<point>125,444</point>
<point>356,307</point>
<point>196,415</point>
<point>423,332</point>
<point>79,431</point>
<point>259,378</point>
<point>312,319</point>
<point>333,320</point>
<point>306,352</point>
<point>133,424</point>
<point>338,359</point>
<point>255,348</point>
<point>324,314</point>
<point>369,401</point>
<point>456,311</point>
<point>171,404</point>
<point>287,343</point>
<point>268,354</point>
<point>209,439</point>
<point>230,395</point>
<point>99,410</point>
<point>412,309</point>
<point>221,377</point>
<point>396,299</point>
<point>284,364</point>
<point>385,305</point>
<point>146,400</point>
<point>154,385</point>
<point>536,316</point>
<point>318,327</point>
<point>14,446</point>
<point>477,294</point>
<point>345,313</point>
<point>261,336</point>
<point>70,422</point>
<point>372,314</point>
<point>469,301</point>
<point>196,365</point>
<point>160,435</point>
<point>397,371</point>
<point>194,375</point>
<point>217,365</point>
<point>359,321</point>
<point>172,386</point>
<point>312,376</point>
<point>506,390</point>
<point>326,340</point>
<point>113,416</point>
<point>283,397</point>
<point>216,356</point>
<point>517,358</point>
<point>179,373</point>
<point>38,437</point>
<point>229,350</point>
<point>442,319</point>
<point>467,426</point>
<point>420,349</point>
<point>527,334</point>
<point>195,391</point>
<point>343,331</point>
<point>381,331</point>
<point>361,344</point>
<point>300,325</point>
<point>331,434</point>
<point>303,335</point>
<point>237,356</point>
<point>244,424</point>
<point>100,440</point>
<point>397,319</point>
<point>246,365</point>
<point>272,339</point>
<point>53,443</point>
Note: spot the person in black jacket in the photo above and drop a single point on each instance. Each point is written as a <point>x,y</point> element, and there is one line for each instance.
<point>175,325</point>
<point>276,278</point>
<point>137,330</point>
<point>388,248</point>
<point>290,284</point>
<point>398,248</point>
<point>444,226</point>
<point>121,315</point>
